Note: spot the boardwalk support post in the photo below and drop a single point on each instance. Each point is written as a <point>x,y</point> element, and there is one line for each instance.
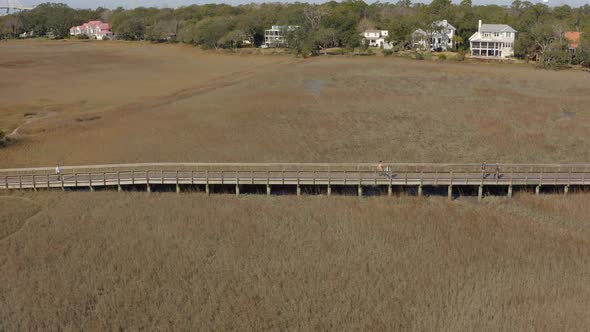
<point>119,189</point>
<point>420,192</point>
<point>480,193</point>
<point>566,190</point>
<point>207,189</point>
<point>360,190</point>
<point>268,189</point>
<point>329,190</point>
<point>450,192</point>
<point>298,190</point>
<point>237,189</point>
<point>510,191</point>
<point>390,190</point>
<point>538,190</point>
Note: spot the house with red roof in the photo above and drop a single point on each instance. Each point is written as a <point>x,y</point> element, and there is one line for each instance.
<point>573,38</point>
<point>94,30</point>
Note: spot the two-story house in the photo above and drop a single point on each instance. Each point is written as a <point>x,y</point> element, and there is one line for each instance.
<point>93,29</point>
<point>276,36</point>
<point>440,37</point>
<point>376,38</point>
<point>493,40</point>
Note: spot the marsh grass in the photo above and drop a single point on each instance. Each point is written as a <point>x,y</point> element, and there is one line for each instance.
<point>168,261</point>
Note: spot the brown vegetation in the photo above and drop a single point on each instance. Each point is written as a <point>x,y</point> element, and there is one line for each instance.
<point>106,260</point>
<point>88,261</point>
<point>176,103</point>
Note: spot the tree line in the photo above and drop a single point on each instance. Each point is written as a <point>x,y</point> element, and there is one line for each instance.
<point>331,24</point>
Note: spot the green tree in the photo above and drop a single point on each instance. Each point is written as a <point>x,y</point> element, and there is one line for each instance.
<point>209,31</point>
<point>233,39</point>
<point>52,18</point>
<point>583,51</point>
<point>128,26</point>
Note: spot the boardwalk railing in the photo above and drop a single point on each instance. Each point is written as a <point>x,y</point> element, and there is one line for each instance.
<point>242,174</point>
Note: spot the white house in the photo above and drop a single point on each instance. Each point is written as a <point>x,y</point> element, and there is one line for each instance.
<point>439,38</point>
<point>93,29</point>
<point>493,40</point>
<point>376,38</point>
<point>276,36</point>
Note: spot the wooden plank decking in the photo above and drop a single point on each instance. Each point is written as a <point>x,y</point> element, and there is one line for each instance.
<point>325,175</point>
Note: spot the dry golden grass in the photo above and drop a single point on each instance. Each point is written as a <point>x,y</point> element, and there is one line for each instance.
<point>139,102</point>
<point>14,212</point>
<point>166,261</point>
<point>106,261</point>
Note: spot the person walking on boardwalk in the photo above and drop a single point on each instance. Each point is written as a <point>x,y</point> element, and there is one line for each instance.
<point>497,174</point>
<point>483,170</point>
<point>380,167</point>
<point>58,172</point>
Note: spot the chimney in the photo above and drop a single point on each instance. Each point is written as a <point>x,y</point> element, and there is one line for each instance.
<point>479,27</point>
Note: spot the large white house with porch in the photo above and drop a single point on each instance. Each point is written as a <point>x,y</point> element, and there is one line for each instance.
<point>493,41</point>
<point>440,37</point>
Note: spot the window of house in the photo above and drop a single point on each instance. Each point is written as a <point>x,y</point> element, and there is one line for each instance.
<point>496,34</point>
<point>508,34</point>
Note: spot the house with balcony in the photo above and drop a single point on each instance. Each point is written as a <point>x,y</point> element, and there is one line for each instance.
<point>276,36</point>
<point>93,29</point>
<point>376,38</point>
<point>440,37</point>
<point>493,41</point>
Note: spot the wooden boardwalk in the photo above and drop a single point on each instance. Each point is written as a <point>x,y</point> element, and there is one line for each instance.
<point>327,176</point>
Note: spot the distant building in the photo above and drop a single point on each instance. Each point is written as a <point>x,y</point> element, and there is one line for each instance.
<point>439,38</point>
<point>28,34</point>
<point>276,36</point>
<point>93,29</point>
<point>377,38</point>
<point>573,38</point>
<point>493,40</point>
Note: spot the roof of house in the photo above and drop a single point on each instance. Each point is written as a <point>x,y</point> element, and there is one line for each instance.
<point>573,37</point>
<point>93,24</point>
<point>420,32</point>
<point>444,23</point>
<point>496,28</point>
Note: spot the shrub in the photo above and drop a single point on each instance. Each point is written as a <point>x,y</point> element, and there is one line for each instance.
<point>335,51</point>
<point>387,52</point>
<point>82,36</point>
<point>442,57</point>
<point>3,139</point>
<point>460,55</point>
<point>418,56</point>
